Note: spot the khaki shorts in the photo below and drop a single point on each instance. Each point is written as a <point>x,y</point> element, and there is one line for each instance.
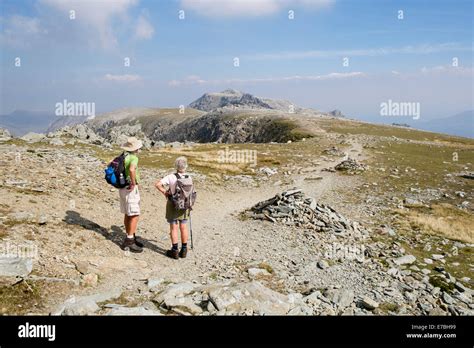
<point>130,201</point>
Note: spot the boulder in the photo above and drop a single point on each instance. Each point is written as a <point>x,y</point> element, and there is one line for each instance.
<point>86,305</point>
<point>154,282</point>
<point>22,217</point>
<point>406,259</point>
<point>301,310</point>
<point>257,272</point>
<point>174,291</point>
<point>369,303</point>
<point>249,298</point>
<point>138,311</point>
<point>340,297</point>
<point>268,171</point>
<point>4,135</point>
<point>183,306</point>
<point>313,299</point>
<point>56,142</point>
<point>323,264</point>
<point>81,132</point>
<point>32,137</point>
<point>15,266</point>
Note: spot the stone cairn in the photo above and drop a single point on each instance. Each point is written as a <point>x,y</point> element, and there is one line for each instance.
<point>351,166</point>
<point>294,208</point>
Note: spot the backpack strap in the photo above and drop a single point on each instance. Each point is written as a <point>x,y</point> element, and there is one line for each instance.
<point>177,176</point>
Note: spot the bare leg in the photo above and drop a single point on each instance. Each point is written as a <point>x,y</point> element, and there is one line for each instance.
<point>174,233</point>
<point>184,233</point>
<point>133,223</point>
<point>126,222</point>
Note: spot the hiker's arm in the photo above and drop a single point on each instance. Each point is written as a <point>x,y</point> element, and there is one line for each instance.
<point>161,188</point>
<point>133,175</point>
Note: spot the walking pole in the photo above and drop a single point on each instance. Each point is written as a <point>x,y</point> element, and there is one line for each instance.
<point>191,230</point>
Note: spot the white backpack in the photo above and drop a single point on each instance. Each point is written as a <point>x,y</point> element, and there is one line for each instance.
<point>184,195</point>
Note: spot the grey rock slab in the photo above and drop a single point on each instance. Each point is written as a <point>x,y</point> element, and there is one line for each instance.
<point>447,298</point>
<point>15,266</point>
<point>250,297</point>
<point>138,311</point>
<point>175,291</point>
<point>406,259</point>
<point>257,272</point>
<point>183,305</point>
<point>85,305</point>
<point>437,257</point>
<point>341,297</point>
<point>369,303</point>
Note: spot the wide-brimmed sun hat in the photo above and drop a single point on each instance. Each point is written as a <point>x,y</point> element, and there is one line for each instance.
<point>132,144</point>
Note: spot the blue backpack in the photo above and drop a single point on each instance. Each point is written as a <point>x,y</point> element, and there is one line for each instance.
<point>115,172</point>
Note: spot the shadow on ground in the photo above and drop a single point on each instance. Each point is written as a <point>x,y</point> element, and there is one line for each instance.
<point>115,234</point>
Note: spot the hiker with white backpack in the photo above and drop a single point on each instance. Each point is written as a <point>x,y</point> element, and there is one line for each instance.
<point>180,195</point>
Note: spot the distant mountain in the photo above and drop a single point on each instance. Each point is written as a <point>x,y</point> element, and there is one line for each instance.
<point>64,121</point>
<point>20,122</point>
<point>461,124</point>
<point>232,99</point>
<point>229,116</point>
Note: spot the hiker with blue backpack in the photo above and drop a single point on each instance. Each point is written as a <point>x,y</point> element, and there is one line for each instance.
<point>123,174</point>
<point>180,195</point>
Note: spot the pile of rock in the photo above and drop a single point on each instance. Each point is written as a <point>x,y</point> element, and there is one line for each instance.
<point>351,166</point>
<point>294,208</point>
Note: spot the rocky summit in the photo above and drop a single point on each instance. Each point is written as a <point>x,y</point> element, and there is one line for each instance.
<point>231,98</point>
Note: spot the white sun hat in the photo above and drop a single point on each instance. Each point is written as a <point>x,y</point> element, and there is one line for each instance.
<point>132,144</point>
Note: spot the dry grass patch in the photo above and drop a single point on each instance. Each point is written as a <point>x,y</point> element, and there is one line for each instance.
<point>443,220</point>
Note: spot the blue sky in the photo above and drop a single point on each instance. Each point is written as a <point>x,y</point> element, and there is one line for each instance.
<point>173,61</point>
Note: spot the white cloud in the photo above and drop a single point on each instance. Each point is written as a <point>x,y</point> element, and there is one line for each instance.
<point>122,78</point>
<point>448,69</point>
<point>372,52</point>
<point>248,8</point>
<point>196,80</point>
<point>19,31</point>
<point>143,30</point>
<point>95,17</point>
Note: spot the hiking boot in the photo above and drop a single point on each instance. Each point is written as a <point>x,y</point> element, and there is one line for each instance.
<point>130,245</point>
<point>137,242</point>
<point>174,254</point>
<point>183,252</point>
